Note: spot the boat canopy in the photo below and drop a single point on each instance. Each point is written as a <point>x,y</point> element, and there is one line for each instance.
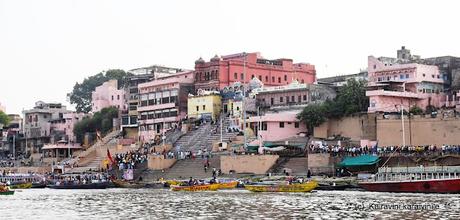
<point>362,160</point>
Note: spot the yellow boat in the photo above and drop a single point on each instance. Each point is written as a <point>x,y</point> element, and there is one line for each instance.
<point>21,186</point>
<point>228,185</point>
<point>207,187</point>
<point>296,187</point>
<point>173,182</point>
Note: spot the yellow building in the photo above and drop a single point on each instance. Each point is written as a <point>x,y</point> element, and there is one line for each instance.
<point>205,105</point>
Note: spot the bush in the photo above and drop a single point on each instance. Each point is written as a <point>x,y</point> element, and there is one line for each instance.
<point>101,121</point>
<point>415,110</point>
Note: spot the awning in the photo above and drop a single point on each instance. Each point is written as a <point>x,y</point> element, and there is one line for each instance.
<point>363,160</point>
<point>63,146</point>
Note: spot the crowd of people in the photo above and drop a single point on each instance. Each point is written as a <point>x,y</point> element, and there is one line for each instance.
<point>80,179</point>
<point>426,150</point>
<point>130,159</point>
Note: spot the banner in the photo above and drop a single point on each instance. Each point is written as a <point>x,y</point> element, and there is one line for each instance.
<point>128,174</point>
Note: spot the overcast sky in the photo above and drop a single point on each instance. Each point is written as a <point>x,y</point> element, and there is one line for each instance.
<point>47,46</point>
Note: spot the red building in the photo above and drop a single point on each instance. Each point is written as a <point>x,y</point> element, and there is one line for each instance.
<point>223,71</point>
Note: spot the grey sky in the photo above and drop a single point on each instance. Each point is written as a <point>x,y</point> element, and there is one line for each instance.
<point>46,46</point>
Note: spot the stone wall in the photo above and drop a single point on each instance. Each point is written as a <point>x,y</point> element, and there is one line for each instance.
<point>257,164</point>
<point>159,162</point>
<point>356,127</point>
<point>419,131</point>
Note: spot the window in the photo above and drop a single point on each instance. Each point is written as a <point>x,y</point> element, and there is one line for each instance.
<point>285,77</point>
<point>292,99</point>
<point>299,99</point>
<point>252,76</point>
<point>272,101</point>
<point>204,107</point>
<point>260,78</point>
<point>281,124</point>
<point>264,126</point>
<point>432,76</point>
<point>235,75</point>
<point>266,78</point>
<point>438,76</point>
<point>303,81</point>
<point>287,98</point>
<point>375,66</point>
<point>296,124</point>
<point>401,76</point>
<point>263,100</point>
<point>112,98</point>
<point>305,97</point>
<point>279,79</point>
<point>197,108</point>
<point>273,79</point>
<point>423,75</point>
<point>242,76</point>
<point>281,99</point>
<point>407,76</point>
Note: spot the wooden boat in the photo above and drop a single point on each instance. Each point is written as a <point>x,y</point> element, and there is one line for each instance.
<point>4,190</point>
<point>296,187</point>
<point>126,184</point>
<point>415,180</point>
<point>100,185</point>
<point>21,186</point>
<point>207,187</point>
<point>228,185</point>
<point>38,185</point>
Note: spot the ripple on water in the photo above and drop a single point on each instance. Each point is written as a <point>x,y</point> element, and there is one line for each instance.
<point>236,204</point>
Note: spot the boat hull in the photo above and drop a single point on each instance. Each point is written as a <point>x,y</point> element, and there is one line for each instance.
<point>229,185</point>
<point>21,186</point>
<point>80,186</point>
<point>417,186</point>
<point>209,187</point>
<point>304,187</point>
<point>11,192</point>
<point>124,184</point>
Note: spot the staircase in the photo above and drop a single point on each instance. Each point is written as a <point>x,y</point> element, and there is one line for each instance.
<point>204,136</point>
<point>80,164</point>
<point>184,169</point>
<point>297,165</point>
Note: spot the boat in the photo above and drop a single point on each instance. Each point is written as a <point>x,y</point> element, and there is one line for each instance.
<point>324,186</point>
<point>5,190</point>
<point>127,184</point>
<point>38,185</point>
<point>96,185</point>
<point>21,185</point>
<point>228,185</point>
<point>206,187</point>
<point>433,179</point>
<point>295,187</point>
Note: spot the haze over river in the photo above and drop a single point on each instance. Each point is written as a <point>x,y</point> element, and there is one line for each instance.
<point>234,204</point>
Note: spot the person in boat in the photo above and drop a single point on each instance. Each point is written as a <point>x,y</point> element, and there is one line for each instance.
<point>309,174</point>
<point>190,182</point>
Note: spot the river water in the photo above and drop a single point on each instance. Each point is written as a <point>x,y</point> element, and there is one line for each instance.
<point>231,204</point>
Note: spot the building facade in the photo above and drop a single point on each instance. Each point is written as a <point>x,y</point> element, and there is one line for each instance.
<point>38,124</point>
<point>62,128</point>
<point>163,104</point>
<point>107,95</point>
<point>395,85</point>
<point>223,71</point>
<point>293,94</point>
<point>206,105</point>
<point>277,126</point>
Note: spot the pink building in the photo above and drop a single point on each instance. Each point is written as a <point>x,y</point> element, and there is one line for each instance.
<point>107,95</point>
<point>393,84</point>
<point>277,126</point>
<point>64,126</point>
<point>163,103</point>
<point>223,71</point>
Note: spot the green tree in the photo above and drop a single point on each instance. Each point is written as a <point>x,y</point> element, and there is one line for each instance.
<point>352,97</point>
<point>415,110</point>
<point>312,115</point>
<point>4,119</point>
<point>81,93</point>
<point>101,121</point>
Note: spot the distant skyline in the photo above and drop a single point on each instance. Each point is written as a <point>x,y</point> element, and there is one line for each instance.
<point>48,46</point>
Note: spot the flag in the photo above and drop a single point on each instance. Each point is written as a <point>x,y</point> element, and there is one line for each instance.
<point>109,156</point>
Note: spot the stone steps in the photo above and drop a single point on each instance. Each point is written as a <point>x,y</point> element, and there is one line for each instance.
<point>298,165</point>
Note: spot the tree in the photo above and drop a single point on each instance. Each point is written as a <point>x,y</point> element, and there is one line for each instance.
<point>352,97</point>
<point>312,115</point>
<point>4,119</point>
<point>101,121</point>
<point>81,93</point>
<point>415,110</point>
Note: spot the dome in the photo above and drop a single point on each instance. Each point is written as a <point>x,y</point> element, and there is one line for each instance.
<point>199,61</point>
<point>255,83</point>
<point>215,58</point>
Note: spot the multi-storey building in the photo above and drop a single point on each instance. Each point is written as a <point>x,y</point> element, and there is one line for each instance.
<point>140,75</point>
<point>163,104</point>
<point>11,135</point>
<point>407,84</point>
<point>38,123</point>
<point>277,126</point>
<point>221,72</point>
<point>62,128</point>
<point>107,95</point>
<point>206,105</point>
